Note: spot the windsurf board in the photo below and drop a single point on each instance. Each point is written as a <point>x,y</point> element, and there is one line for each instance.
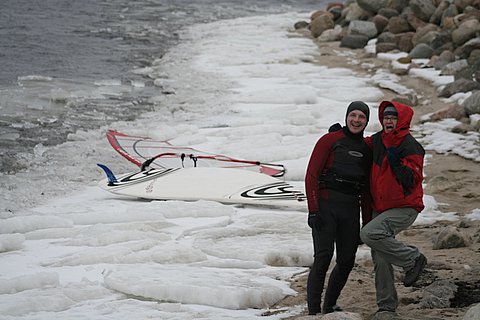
<point>225,185</point>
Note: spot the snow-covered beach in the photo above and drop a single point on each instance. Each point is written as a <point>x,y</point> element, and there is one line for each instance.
<point>248,87</point>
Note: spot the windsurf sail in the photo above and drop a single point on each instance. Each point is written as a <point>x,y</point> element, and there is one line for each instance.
<point>146,152</point>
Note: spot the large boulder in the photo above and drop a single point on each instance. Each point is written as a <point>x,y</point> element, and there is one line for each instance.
<point>373,6</point>
<point>444,58</point>
<point>466,31</point>
<point>366,28</point>
<point>354,41</point>
<point>404,41</point>
<point>321,23</point>
<point>422,9</point>
<point>473,313</point>
<point>439,294</point>
<point>388,12</point>
<point>451,237</point>
<point>381,22</point>
<point>469,46</point>
<point>421,51</point>
<point>398,25</point>
<point>472,103</point>
<point>353,12</point>
<point>454,111</point>
<point>437,16</point>
<point>330,35</point>
<point>453,67</point>
<point>460,85</point>
<point>422,31</point>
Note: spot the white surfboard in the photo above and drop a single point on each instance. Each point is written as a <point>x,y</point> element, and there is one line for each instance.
<point>226,185</point>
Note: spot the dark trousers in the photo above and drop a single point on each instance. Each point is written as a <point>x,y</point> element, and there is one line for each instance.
<point>340,216</point>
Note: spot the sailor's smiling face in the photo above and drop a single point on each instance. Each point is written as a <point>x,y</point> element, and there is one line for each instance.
<point>356,121</point>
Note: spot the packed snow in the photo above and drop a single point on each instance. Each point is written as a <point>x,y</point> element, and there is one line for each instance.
<point>249,88</point>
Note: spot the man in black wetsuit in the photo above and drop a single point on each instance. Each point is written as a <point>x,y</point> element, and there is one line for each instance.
<point>336,185</point>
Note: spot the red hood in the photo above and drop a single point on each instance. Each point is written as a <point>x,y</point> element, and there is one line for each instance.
<point>405,115</point>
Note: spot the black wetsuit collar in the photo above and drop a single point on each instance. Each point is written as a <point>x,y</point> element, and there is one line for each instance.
<point>357,136</point>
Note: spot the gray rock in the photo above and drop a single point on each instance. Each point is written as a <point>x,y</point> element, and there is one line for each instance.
<point>354,12</point>
<point>451,68</point>
<point>409,99</point>
<point>385,47</point>
<point>301,25</point>
<point>460,85</point>
<point>472,103</point>
<point>373,6</point>
<point>423,31</point>
<point>386,37</point>
<point>380,22</point>
<point>469,46</point>
<point>405,41</point>
<point>422,9</point>
<point>466,31</point>
<point>320,24</point>
<point>441,39</point>
<point>365,28</point>
<point>474,58</point>
<point>421,51</point>
<point>438,294</point>
<point>388,12</point>
<point>445,58</point>
<point>473,313</point>
<point>398,25</point>
<point>330,35</point>
<point>399,5</point>
<point>354,41</point>
<point>454,111</point>
<point>428,38</point>
<point>451,237</point>
<point>451,11</point>
<point>466,73</point>
<point>436,18</point>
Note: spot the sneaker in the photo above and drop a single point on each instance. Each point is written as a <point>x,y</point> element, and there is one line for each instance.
<point>313,312</point>
<point>412,275</point>
<point>334,308</point>
<point>383,314</point>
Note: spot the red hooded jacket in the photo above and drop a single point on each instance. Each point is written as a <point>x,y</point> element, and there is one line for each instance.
<point>400,186</point>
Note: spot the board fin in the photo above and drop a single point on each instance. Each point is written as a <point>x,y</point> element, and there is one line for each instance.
<point>110,176</point>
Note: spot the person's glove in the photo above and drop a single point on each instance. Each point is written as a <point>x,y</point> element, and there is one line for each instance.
<point>335,127</point>
<point>393,157</point>
<point>315,221</point>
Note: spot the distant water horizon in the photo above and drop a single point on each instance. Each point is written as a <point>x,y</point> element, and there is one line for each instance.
<point>68,65</point>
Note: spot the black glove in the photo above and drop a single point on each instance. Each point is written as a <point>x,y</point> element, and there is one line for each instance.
<point>393,157</point>
<point>315,221</point>
<point>335,127</point>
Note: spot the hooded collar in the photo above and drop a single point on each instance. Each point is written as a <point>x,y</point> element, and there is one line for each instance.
<point>405,115</point>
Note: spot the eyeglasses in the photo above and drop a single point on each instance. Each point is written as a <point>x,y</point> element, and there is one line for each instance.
<point>390,118</point>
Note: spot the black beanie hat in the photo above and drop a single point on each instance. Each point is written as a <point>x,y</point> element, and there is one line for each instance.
<point>358,105</point>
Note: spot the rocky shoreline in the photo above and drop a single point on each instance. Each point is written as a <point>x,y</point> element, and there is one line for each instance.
<point>450,289</point>
<point>445,33</point>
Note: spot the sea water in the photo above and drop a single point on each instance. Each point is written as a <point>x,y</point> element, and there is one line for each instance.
<point>72,67</point>
<point>68,65</point>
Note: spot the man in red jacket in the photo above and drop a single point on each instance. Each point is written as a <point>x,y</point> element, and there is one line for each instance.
<point>336,185</point>
<point>397,199</point>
